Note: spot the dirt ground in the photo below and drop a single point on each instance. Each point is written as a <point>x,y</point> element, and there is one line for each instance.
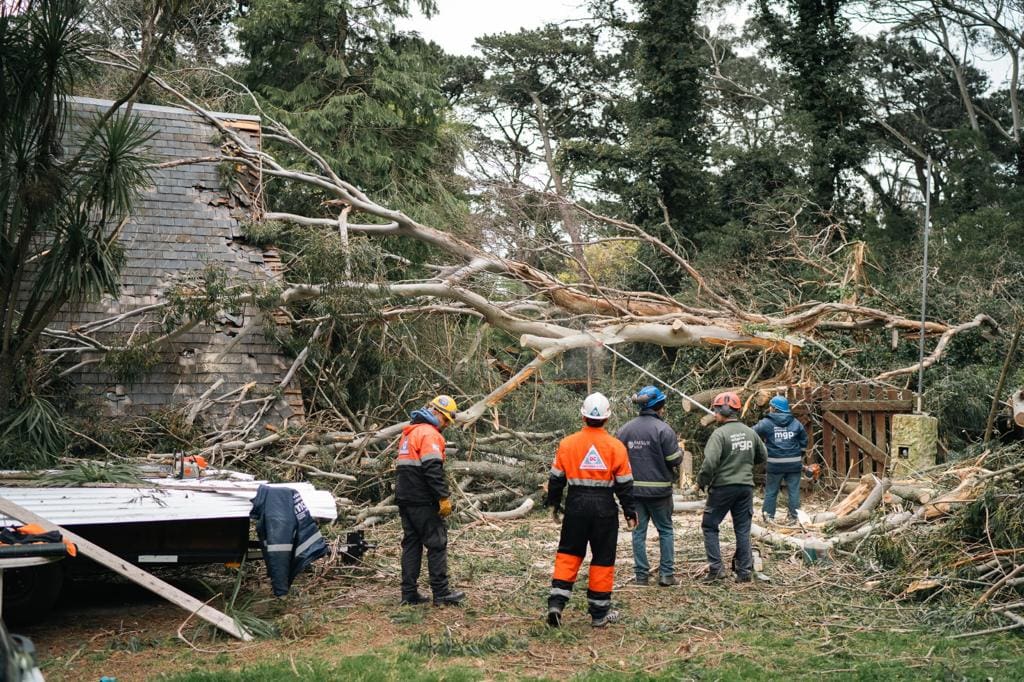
<point>817,620</point>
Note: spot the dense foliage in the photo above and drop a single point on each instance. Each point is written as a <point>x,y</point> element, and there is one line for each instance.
<point>777,145</point>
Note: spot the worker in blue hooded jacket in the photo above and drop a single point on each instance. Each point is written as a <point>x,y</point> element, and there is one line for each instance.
<point>786,440</point>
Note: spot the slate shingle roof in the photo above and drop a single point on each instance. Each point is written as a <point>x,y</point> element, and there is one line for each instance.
<point>183,223</point>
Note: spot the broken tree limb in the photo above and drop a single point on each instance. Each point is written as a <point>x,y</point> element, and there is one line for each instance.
<point>943,504</point>
<point>979,320</point>
<point>911,493</point>
<point>517,513</point>
<point>133,573</point>
<point>854,499</point>
<point>863,512</point>
<point>1001,382</point>
<point>494,470</point>
<point>688,505</point>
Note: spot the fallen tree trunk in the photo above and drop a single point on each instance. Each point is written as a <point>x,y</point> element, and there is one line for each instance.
<point>494,470</point>
<point>816,543</point>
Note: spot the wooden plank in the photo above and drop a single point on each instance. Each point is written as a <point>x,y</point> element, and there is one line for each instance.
<point>852,435</point>
<point>133,573</point>
<point>853,454</point>
<point>839,442</point>
<point>868,405</point>
<point>881,439</point>
<point>827,451</point>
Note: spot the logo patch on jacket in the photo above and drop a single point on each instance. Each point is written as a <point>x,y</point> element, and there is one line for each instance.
<point>592,461</point>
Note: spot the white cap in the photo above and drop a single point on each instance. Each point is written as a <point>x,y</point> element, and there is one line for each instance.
<point>596,406</point>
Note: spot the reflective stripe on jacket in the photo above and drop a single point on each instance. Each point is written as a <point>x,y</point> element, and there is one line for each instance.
<point>654,454</point>
<point>593,464</point>
<point>420,466</point>
<point>289,536</point>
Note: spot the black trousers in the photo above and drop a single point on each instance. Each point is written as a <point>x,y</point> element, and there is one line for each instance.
<point>423,528</point>
<point>737,500</point>
<point>578,531</point>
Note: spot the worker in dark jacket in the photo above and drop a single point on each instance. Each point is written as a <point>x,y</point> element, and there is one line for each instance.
<point>728,475</point>
<point>593,465</point>
<point>421,492</point>
<point>786,440</point>
<point>654,457</point>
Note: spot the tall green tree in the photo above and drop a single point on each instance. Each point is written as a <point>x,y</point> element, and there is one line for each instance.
<point>366,97</point>
<point>539,99</point>
<point>59,214</point>
<point>660,172</point>
<point>814,42</point>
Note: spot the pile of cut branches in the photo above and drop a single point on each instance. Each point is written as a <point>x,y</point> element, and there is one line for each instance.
<point>953,532</point>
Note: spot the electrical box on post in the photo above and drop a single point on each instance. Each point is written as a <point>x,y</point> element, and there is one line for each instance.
<point>915,442</point>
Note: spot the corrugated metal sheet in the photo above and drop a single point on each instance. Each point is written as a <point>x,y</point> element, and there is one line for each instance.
<point>172,500</point>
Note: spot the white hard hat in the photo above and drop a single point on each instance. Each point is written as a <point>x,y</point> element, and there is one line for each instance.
<point>596,406</point>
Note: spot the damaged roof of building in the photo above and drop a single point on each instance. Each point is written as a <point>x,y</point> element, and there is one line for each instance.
<point>185,222</point>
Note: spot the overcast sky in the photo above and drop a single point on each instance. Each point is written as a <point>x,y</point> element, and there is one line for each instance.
<point>459,22</point>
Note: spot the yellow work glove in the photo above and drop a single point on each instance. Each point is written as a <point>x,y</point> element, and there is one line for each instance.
<point>444,507</point>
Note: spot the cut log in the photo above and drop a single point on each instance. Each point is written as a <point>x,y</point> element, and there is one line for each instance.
<point>519,512</point>
<point>855,498</point>
<point>687,506</point>
<point>823,518</point>
<point>494,470</point>
<point>1017,403</point>
<point>863,512</point>
<point>912,494</point>
<point>133,573</point>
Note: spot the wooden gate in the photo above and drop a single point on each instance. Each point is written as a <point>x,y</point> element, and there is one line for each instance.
<point>848,426</point>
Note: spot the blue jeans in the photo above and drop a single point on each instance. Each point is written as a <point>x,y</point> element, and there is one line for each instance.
<point>738,501</point>
<point>658,510</point>
<point>771,493</point>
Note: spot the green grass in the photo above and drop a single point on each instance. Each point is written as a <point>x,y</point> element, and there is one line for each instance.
<point>367,668</point>
<point>811,622</point>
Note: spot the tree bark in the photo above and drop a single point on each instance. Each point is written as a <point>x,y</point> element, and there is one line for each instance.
<point>863,512</point>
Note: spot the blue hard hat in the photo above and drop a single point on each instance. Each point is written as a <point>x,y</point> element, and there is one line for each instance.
<point>649,398</point>
<point>780,403</point>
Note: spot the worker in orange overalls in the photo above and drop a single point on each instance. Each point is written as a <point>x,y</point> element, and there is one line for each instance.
<point>421,493</point>
<point>594,464</point>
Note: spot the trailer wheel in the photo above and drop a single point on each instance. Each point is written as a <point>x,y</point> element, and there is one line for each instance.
<point>30,592</point>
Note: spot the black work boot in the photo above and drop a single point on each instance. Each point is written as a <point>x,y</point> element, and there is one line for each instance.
<point>611,617</point>
<point>412,599</point>
<point>714,576</point>
<point>554,617</point>
<point>450,598</point>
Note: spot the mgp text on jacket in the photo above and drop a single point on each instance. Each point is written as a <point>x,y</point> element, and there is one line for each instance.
<point>288,534</point>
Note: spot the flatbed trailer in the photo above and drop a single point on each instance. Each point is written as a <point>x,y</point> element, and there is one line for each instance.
<point>163,522</point>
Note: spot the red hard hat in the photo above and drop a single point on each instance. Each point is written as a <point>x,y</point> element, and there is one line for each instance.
<point>728,398</point>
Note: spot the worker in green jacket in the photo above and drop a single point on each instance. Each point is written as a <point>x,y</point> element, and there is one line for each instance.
<point>728,475</point>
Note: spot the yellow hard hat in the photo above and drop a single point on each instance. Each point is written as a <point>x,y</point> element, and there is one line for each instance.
<point>445,404</point>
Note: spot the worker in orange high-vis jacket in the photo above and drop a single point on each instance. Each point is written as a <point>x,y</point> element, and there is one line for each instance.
<point>421,493</point>
<point>594,465</point>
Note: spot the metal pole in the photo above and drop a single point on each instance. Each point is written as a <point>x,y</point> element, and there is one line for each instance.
<point>924,280</point>
<point>659,380</point>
